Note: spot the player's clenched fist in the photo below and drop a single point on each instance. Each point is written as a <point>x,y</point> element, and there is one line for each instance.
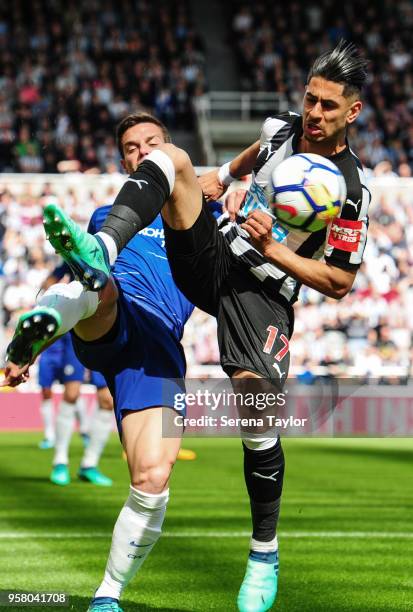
<point>259,227</point>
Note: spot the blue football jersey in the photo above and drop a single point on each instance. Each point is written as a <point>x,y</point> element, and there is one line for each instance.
<point>143,273</point>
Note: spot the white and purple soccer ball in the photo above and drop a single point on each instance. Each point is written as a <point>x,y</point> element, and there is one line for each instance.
<point>306,192</point>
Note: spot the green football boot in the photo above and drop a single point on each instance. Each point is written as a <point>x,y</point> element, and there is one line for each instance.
<point>94,476</point>
<point>34,330</point>
<point>45,444</point>
<point>84,253</point>
<point>259,587</point>
<point>104,604</point>
<point>60,475</point>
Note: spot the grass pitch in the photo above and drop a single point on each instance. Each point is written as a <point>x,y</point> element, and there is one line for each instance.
<point>346,535</point>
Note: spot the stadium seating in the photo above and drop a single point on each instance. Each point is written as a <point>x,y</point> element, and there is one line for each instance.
<point>276,43</point>
<point>68,75</point>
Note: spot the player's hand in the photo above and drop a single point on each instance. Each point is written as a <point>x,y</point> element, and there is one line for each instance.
<point>211,185</point>
<point>259,227</point>
<point>15,375</point>
<point>234,201</point>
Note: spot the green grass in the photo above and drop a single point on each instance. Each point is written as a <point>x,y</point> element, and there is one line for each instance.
<point>340,486</point>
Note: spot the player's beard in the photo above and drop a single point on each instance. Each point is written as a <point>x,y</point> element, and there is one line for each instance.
<point>309,138</point>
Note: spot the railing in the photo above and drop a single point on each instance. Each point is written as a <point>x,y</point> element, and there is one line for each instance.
<point>233,106</point>
<point>241,105</point>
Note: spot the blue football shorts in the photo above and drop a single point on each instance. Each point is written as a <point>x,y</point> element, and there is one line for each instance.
<point>97,379</point>
<point>141,359</point>
<point>60,364</point>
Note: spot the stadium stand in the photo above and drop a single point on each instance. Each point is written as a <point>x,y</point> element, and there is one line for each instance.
<point>276,42</point>
<point>69,71</point>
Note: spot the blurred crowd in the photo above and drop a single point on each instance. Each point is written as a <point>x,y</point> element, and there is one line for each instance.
<point>367,333</point>
<point>70,70</point>
<point>276,43</point>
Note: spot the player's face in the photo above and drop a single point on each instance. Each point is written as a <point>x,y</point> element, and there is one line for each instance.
<point>326,112</point>
<point>137,142</point>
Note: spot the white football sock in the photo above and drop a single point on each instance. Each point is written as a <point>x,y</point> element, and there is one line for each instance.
<point>46,410</point>
<point>64,430</point>
<point>137,530</point>
<point>265,547</point>
<point>100,428</point>
<point>110,245</point>
<point>259,441</point>
<point>71,301</point>
<point>82,416</point>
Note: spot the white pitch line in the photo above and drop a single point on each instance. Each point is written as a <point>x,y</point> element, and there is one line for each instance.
<point>371,535</point>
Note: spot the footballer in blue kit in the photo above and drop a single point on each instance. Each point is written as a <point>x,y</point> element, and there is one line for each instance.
<point>130,331</point>
<point>58,363</point>
<point>142,355</point>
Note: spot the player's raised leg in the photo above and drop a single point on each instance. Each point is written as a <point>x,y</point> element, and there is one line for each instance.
<point>139,525</point>
<point>162,180</point>
<point>81,251</point>
<point>61,308</point>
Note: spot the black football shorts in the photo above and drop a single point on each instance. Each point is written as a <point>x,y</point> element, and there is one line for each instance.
<point>253,327</point>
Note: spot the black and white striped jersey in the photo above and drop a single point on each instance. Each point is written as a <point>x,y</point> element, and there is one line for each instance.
<point>341,244</point>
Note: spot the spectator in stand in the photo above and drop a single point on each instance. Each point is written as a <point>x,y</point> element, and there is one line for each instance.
<point>64,79</point>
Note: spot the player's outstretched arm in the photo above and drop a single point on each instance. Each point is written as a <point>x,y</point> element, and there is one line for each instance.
<point>325,278</point>
<point>215,183</point>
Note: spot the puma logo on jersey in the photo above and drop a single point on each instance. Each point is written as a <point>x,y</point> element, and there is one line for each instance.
<point>270,477</point>
<point>269,151</point>
<point>139,182</point>
<point>355,204</point>
<point>277,367</point>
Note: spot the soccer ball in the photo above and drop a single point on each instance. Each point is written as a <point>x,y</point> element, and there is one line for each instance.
<point>306,192</point>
